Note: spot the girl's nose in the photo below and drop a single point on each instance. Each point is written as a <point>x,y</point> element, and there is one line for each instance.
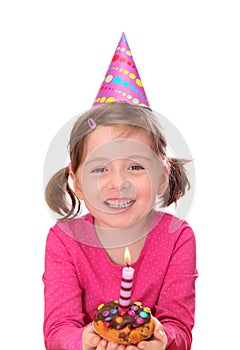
<point>119,181</point>
<point>124,185</point>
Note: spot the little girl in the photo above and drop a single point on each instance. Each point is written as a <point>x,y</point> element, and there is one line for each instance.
<point>120,170</point>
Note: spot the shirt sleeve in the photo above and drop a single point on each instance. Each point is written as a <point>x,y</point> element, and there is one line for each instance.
<point>64,319</point>
<point>176,304</point>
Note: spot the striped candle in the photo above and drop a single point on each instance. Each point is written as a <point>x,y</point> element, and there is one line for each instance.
<point>126,282</point>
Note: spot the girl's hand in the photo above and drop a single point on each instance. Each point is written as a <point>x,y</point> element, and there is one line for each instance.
<point>90,340</point>
<point>105,345</point>
<point>159,342</point>
<point>93,341</point>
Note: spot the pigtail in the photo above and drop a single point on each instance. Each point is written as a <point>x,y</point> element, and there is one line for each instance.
<point>178,181</point>
<point>56,195</point>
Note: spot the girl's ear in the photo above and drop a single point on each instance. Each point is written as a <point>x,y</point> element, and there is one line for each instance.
<point>164,182</point>
<point>76,185</point>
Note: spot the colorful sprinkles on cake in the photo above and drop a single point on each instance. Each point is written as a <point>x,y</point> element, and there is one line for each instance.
<point>113,316</point>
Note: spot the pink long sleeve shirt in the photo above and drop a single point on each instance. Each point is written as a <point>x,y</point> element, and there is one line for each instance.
<point>79,276</point>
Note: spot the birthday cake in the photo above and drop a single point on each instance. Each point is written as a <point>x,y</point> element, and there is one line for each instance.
<point>124,326</point>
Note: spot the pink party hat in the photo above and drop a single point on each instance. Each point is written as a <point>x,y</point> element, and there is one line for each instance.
<point>122,81</point>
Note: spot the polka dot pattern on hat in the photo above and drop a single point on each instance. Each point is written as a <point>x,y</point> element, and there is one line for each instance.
<point>122,81</point>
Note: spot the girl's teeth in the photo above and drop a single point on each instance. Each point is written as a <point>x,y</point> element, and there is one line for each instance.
<point>122,204</point>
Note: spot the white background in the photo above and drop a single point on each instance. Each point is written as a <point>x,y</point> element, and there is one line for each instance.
<point>54,55</point>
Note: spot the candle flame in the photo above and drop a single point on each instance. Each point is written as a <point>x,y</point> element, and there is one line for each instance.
<point>127,256</point>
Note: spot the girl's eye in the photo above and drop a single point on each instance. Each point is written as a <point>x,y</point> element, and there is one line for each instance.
<point>136,167</point>
<point>98,170</point>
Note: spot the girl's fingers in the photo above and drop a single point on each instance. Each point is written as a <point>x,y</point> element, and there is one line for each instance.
<point>159,331</point>
<point>102,345</point>
<point>112,346</point>
<point>159,334</point>
<point>90,338</point>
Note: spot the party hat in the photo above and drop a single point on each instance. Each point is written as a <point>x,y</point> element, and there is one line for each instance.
<point>122,81</point>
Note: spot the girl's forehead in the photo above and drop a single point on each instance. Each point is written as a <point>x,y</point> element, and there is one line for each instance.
<point>106,143</point>
<point>105,135</point>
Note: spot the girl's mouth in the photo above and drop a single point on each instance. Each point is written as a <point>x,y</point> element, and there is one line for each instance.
<point>120,203</point>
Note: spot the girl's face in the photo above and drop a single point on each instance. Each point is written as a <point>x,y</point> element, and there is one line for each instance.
<point>119,178</point>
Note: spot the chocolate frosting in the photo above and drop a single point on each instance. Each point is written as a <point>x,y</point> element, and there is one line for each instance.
<point>113,317</point>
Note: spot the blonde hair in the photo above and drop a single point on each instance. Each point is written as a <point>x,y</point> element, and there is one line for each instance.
<point>130,118</point>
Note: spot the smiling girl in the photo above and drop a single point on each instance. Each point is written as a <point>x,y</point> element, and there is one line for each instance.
<point>120,170</point>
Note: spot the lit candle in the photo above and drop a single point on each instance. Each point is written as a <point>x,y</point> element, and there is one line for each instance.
<point>126,282</point>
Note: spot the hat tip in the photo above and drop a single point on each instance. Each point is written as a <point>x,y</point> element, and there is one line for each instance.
<point>123,36</point>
